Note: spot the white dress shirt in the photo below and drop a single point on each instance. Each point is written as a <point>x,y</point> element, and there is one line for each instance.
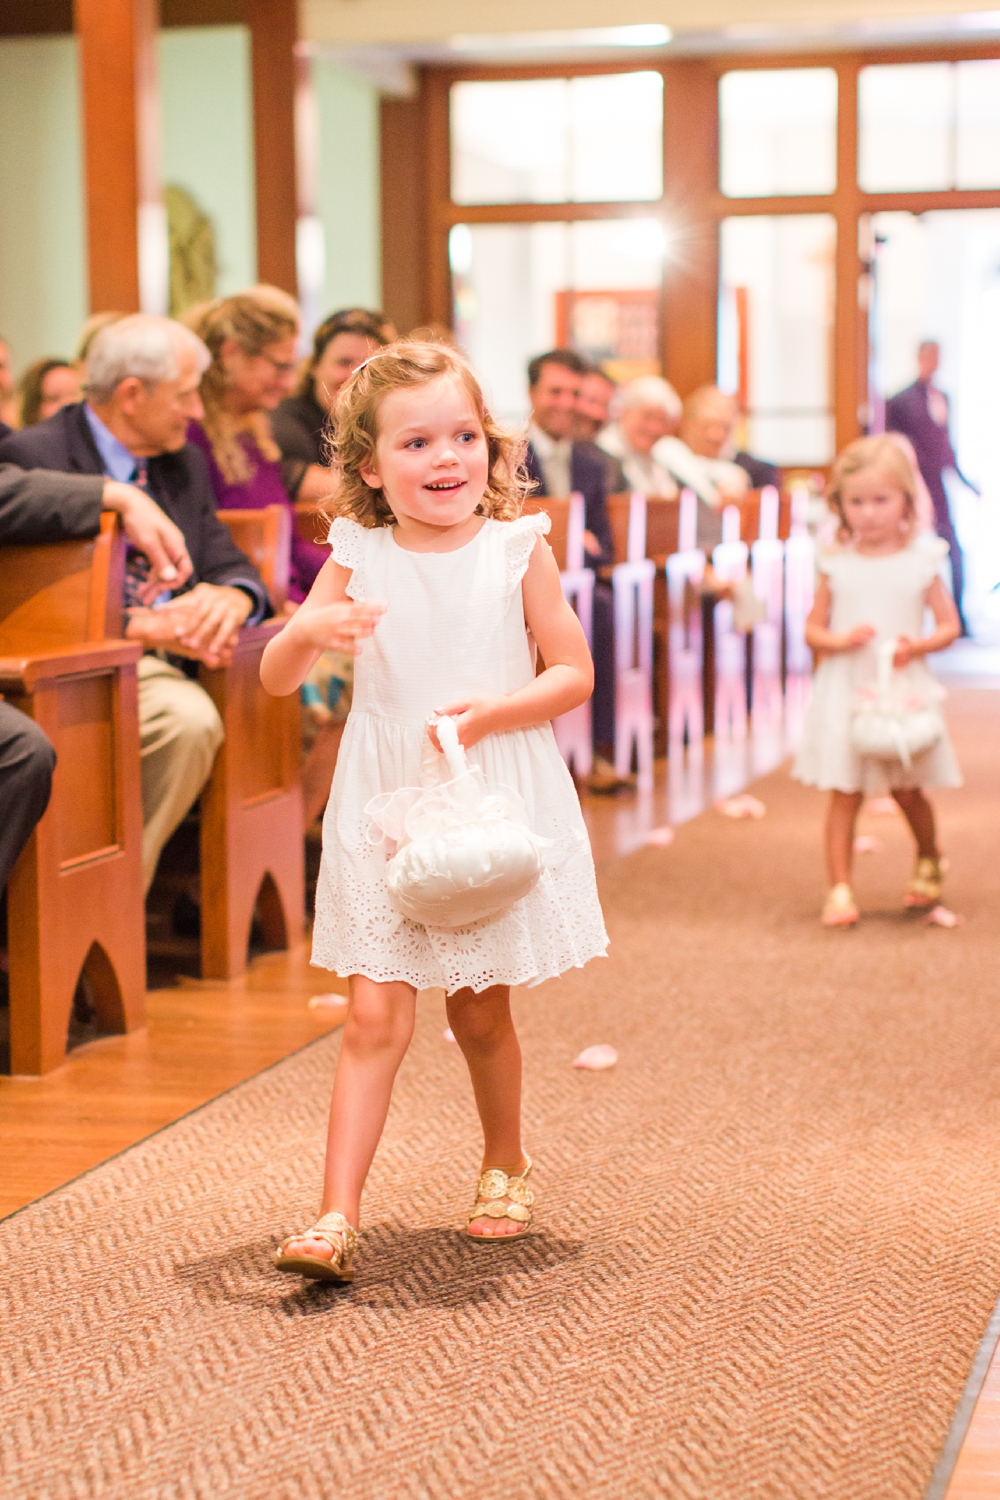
<point>555,456</point>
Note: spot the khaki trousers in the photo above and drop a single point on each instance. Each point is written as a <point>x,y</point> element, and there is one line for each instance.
<point>179,734</point>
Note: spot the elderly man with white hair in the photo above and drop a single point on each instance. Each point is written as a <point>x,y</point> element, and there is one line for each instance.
<point>648,409</point>
<point>143,374</point>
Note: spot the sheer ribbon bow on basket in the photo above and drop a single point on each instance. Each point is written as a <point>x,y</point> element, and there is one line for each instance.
<point>892,722</point>
<point>464,850</point>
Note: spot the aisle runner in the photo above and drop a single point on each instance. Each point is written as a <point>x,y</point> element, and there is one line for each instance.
<point>768,1241</point>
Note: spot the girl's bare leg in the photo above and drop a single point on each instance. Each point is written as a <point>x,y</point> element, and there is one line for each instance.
<point>484,1029</point>
<point>841,817</point>
<point>377,1033</point>
<point>920,815</point>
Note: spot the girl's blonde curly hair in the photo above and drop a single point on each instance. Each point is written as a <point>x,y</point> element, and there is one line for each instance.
<point>405,366</point>
<point>877,452</point>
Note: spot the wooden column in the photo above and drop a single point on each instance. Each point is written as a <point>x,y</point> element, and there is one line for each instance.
<point>404,211</point>
<point>121,131</point>
<point>691,176</point>
<point>850,341</point>
<point>274,31</point>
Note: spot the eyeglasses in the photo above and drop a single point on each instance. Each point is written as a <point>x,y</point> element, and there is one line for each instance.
<point>281,366</point>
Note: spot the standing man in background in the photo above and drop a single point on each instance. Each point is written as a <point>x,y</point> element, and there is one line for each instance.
<point>921,413</point>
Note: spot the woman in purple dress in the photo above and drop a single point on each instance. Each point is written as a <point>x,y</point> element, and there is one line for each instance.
<point>252,338</point>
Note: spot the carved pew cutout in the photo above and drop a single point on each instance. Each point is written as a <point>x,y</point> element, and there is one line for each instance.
<point>573,731</point>
<point>632,582</point>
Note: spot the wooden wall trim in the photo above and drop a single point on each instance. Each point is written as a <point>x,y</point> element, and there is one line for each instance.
<point>850,329</point>
<point>273,32</point>
<point>121,141</point>
<point>404,212</point>
<point>691,272</point>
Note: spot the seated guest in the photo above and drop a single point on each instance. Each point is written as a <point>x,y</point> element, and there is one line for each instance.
<point>41,507</point>
<point>44,387</point>
<point>559,466</point>
<point>592,407</point>
<point>252,339</point>
<point>341,343</point>
<point>693,459</point>
<point>8,404</point>
<point>142,391</point>
<point>88,334</point>
<point>648,409</point>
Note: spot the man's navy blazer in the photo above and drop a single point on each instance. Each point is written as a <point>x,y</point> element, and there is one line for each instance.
<point>587,474</point>
<point>178,482</point>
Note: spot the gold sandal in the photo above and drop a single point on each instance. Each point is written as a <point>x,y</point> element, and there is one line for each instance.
<point>840,908</point>
<point>924,888</point>
<point>494,1186</point>
<point>342,1238</point>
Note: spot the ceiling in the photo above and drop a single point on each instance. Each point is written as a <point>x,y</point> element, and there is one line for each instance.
<point>423,27</point>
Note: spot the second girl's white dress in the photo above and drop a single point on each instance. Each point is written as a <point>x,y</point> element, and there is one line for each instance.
<point>454,629</point>
<point>888,593</point>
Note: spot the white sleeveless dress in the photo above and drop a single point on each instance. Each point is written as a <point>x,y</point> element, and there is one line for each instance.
<point>888,593</point>
<point>454,628</point>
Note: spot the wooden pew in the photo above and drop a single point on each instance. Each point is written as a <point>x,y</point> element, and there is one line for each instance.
<point>573,731</point>
<point>265,535</point>
<point>776,516</point>
<point>632,580</point>
<point>74,899</point>
<point>251,808</point>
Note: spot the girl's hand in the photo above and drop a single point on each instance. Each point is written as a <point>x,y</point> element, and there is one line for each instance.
<point>337,627</point>
<point>858,637</point>
<point>475,718</point>
<point>906,650</point>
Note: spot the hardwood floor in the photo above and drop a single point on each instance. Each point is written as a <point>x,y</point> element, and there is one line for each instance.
<point>200,1039</point>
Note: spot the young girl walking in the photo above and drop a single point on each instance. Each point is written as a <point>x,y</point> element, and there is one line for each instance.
<point>872,589</point>
<point>434,582</point>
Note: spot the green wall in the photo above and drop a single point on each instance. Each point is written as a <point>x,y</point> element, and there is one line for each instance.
<point>43,297</point>
<point>207,143</point>
<point>348,197</point>
<point>207,148</point>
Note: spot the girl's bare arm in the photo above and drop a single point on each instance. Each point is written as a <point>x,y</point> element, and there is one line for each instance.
<point>325,621</point>
<point>568,678</point>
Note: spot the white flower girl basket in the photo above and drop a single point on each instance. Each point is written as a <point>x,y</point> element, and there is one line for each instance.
<point>892,722</point>
<point>464,851</point>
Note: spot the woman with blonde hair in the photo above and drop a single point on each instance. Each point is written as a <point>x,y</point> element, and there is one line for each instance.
<point>252,338</point>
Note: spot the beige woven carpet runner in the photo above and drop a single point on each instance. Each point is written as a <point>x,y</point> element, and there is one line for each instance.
<point>767,1248</point>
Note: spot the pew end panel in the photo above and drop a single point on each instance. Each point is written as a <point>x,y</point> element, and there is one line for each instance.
<point>75,895</point>
<point>265,535</point>
<point>60,593</point>
<point>251,814</point>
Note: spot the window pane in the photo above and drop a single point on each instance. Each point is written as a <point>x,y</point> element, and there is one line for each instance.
<point>522,288</point>
<point>617,137</point>
<point>777,279</point>
<point>977,163</point>
<point>510,142</point>
<point>778,132</point>
<point>905,127</point>
<point>556,140</point>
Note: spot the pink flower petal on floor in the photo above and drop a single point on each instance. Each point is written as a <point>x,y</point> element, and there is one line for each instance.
<point>882,807</point>
<point>661,837</point>
<point>327,1002</point>
<point>596,1058</point>
<point>743,806</point>
<point>940,916</point>
<point>865,843</point>
<point>448,1034</point>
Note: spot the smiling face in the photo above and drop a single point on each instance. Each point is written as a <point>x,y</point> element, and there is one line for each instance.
<point>643,426</point>
<point>876,510</point>
<point>431,461</point>
<point>258,382</point>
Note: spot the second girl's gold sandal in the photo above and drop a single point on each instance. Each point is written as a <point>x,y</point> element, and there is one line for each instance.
<point>494,1187</point>
<point>840,908</point>
<point>924,888</point>
<point>342,1238</point>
